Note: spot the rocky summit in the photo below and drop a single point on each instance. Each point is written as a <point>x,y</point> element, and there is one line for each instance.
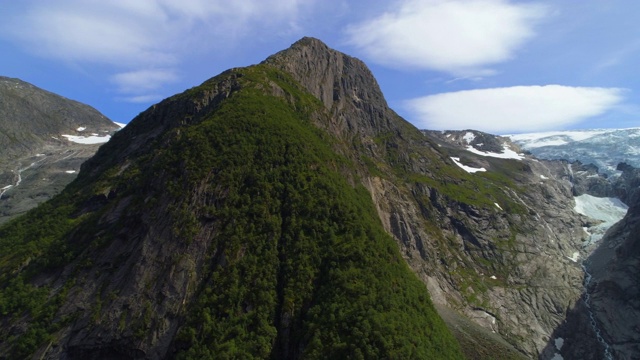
<point>283,210</point>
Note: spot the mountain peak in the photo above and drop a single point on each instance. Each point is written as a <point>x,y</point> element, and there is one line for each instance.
<point>310,41</point>
<point>343,83</point>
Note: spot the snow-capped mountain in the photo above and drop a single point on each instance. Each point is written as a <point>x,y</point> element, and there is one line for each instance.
<point>605,148</point>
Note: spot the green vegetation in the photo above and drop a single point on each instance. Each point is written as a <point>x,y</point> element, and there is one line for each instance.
<point>299,264</point>
<point>35,244</point>
<point>302,265</point>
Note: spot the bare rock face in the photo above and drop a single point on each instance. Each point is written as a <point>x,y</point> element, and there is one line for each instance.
<point>508,262</point>
<point>342,83</point>
<point>604,323</point>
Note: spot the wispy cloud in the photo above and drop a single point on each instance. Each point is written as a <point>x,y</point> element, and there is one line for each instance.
<point>619,56</point>
<point>139,81</point>
<point>461,37</point>
<point>513,109</point>
<point>131,37</point>
<point>113,33</point>
<point>141,99</point>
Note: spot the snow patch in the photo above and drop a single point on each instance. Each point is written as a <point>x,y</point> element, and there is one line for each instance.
<point>81,128</point>
<point>469,137</point>
<point>466,168</point>
<point>493,277</point>
<point>505,154</point>
<point>608,210</point>
<point>498,206</point>
<point>70,171</point>
<point>120,124</point>
<point>88,139</point>
<point>543,177</point>
<point>559,342</point>
<point>574,257</point>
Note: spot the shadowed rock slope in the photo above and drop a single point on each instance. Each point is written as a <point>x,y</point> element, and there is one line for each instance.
<point>220,223</point>
<point>604,323</point>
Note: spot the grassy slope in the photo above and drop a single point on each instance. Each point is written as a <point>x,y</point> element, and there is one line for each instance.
<point>301,265</point>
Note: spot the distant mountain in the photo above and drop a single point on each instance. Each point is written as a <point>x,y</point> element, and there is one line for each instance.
<point>604,148</point>
<point>44,138</point>
<point>31,117</point>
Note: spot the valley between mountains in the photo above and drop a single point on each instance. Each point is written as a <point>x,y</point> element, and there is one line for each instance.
<point>284,211</point>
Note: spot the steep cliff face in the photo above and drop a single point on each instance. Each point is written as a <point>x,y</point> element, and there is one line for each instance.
<point>489,246</point>
<point>343,84</point>
<point>604,323</point>
<point>251,216</point>
<point>508,253</point>
<point>615,287</point>
<point>219,223</point>
<point>501,247</point>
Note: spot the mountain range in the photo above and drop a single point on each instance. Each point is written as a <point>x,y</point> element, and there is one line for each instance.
<point>283,210</point>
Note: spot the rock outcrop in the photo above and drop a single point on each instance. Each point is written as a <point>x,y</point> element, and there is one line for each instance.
<point>604,322</point>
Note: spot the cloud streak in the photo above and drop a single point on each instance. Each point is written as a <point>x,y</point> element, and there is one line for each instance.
<point>512,109</point>
<point>131,37</point>
<point>135,82</point>
<point>461,37</point>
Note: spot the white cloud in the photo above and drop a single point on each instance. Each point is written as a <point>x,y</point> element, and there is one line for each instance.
<point>512,109</point>
<point>139,81</point>
<point>130,37</point>
<point>96,32</point>
<point>142,99</point>
<point>461,37</point>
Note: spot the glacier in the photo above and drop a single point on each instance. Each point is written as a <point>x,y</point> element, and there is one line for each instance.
<point>605,148</point>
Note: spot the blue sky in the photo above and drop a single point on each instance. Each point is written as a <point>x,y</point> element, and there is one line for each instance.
<point>501,66</point>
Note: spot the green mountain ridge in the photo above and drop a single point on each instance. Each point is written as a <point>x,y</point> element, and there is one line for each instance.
<point>220,223</point>
<point>283,210</point>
